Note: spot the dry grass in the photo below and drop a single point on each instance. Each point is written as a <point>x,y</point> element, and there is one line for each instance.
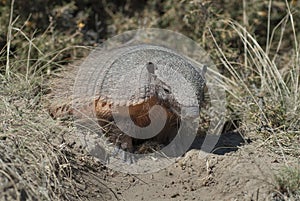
<point>263,90</point>
<point>288,183</point>
<point>38,161</point>
<point>267,98</point>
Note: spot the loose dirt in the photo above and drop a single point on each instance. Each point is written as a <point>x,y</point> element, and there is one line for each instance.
<point>247,174</point>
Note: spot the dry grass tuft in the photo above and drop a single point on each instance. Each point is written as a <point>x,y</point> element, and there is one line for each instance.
<point>288,183</point>
<point>263,89</point>
<point>38,162</point>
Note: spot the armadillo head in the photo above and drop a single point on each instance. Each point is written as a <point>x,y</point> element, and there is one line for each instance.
<point>161,90</point>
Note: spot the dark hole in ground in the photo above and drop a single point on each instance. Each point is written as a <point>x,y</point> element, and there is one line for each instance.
<point>228,142</point>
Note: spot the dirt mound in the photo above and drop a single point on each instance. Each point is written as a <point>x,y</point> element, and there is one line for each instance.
<point>247,174</point>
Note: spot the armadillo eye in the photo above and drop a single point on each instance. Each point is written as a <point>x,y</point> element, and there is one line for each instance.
<point>167,90</point>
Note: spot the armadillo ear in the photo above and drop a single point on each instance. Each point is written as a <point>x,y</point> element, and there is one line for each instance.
<point>151,68</point>
<point>204,70</point>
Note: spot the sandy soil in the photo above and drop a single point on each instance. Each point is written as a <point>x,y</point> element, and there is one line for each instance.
<point>246,174</point>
